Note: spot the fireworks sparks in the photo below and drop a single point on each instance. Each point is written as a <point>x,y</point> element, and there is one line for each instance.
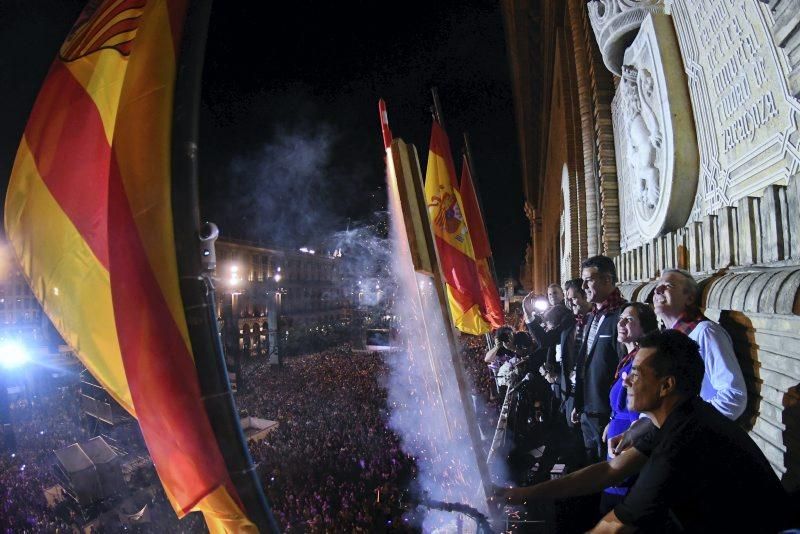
<point>423,393</point>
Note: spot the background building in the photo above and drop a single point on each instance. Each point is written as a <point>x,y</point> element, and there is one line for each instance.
<point>665,134</point>
<point>311,297</point>
<point>21,316</point>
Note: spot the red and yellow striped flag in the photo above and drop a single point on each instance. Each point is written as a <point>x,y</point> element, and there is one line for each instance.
<point>452,237</point>
<point>492,309</point>
<point>88,213</point>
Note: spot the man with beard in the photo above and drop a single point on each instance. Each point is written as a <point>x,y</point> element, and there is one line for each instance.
<point>698,470</point>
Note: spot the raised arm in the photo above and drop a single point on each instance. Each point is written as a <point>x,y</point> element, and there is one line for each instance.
<point>491,355</point>
<point>591,479</point>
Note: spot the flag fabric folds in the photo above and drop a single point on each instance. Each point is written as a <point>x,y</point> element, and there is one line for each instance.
<point>452,237</point>
<point>88,213</point>
<point>493,310</point>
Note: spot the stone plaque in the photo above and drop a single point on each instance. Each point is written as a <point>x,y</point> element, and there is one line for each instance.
<point>746,120</point>
<point>655,142</point>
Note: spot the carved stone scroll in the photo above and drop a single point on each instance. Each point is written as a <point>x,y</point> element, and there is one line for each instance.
<point>615,24</point>
<point>657,158</point>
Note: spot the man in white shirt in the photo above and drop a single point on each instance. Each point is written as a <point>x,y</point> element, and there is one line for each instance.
<point>675,301</point>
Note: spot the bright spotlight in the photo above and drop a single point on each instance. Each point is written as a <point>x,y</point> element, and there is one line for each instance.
<point>12,355</point>
<point>278,277</point>
<point>541,305</point>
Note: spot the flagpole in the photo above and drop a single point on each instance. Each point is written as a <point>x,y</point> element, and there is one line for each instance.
<point>197,289</point>
<point>437,111</point>
<point>474,177</point>
<point>474,174</point>
<point>458,366</point>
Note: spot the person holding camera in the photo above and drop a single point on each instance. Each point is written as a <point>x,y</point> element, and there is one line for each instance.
<point>548,331</point>
<point>698,470</point>
<point>499,355</point>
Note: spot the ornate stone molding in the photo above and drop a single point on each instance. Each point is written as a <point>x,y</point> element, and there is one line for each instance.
<point>657,157</point>
<point>615,24</point>
<point>630,290</point>
<point>786,33</point>
<point>745,118</point>
<point>773,291</point>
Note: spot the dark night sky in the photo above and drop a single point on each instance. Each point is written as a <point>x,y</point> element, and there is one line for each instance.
<point>290,140</point>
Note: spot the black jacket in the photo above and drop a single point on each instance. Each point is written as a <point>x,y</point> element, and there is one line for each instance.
<point>597,364</point>
<point>548,341</point>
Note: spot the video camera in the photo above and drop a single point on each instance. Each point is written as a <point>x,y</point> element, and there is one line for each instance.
<point>504,334</point>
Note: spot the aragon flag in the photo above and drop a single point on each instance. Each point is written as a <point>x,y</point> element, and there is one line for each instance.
<point>452,237</point>
<point>89,216</point>
<point>493,310</point>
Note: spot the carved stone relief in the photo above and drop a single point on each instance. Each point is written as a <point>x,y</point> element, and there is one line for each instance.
<point>746,118</point>
<point>615,23</point>
<point>657,160</point>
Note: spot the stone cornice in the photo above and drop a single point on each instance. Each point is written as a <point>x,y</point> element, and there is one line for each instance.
<point>615,24</point>
<point>773,291</point>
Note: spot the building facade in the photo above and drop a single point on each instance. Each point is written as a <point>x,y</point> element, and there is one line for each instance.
<point>306,283</point>
<point>664,133</point>
<point>21,316</point>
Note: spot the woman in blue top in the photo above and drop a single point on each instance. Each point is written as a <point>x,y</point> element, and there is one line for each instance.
<point>635,320</point>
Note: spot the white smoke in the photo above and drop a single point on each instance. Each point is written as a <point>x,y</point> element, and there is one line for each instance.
<point>423,393</point>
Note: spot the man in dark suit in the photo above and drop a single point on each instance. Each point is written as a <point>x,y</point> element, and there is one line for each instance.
<point>563,344</point>
<point>571,343</point>
<point>599,354</point>
<point>698,470</point>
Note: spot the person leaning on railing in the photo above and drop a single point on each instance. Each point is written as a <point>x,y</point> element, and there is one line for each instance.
<point>698,470</point>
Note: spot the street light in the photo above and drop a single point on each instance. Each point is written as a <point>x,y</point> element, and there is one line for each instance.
<point>12,355</point>
<point>235,278</point>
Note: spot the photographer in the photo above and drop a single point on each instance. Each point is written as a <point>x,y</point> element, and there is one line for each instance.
<point>500,354</point>
<point>698,470</point>
<point>548,330</point>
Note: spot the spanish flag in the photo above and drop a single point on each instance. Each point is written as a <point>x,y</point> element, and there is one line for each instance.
<point>88,213</point>
<point>457,257</point>
<point>493,310</point>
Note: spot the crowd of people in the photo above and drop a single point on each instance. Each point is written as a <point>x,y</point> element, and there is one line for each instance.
<point>612,389</point>
<point>41,425</point>
<point>332,463</point>
<point>46,422</point>
<point>648,406</point>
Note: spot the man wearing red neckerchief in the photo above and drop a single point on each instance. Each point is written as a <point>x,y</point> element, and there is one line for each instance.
<point>599,354</point>
<point>676,303</point>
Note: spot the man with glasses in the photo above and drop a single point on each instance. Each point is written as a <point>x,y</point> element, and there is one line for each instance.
<point>698,471</point>
<point>675,302</point>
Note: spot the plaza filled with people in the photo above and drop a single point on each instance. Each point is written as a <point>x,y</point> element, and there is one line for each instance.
<point>562,389</point>
<point>332,463</point>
